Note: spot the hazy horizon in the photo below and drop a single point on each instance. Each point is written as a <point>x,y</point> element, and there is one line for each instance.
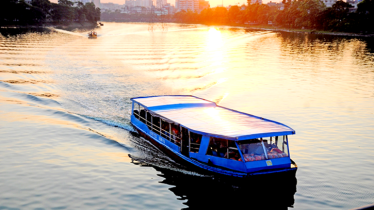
<point>213,3</point>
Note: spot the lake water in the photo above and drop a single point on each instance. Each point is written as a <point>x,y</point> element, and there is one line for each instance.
<point>65,131</point>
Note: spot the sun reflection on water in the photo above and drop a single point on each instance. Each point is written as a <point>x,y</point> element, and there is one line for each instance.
<point>214,39</point>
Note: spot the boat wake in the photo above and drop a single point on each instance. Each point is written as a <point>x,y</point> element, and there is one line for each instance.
<point>161,163</point>
<point>67,32</point>
<point>127,127</point>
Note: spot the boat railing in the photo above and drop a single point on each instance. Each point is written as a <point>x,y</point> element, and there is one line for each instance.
<point>164,133</point>
<point>195,147</point>
<point>231,150</point>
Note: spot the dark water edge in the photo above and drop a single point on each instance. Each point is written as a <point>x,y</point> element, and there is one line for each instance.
<point>14,31</point>
<point>249,27</point>
<point>203,190</point>
<point>265,192</point>
<point>300,38</point>
<point>19,30</point>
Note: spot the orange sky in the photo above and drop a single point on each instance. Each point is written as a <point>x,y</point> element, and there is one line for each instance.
<point>213,3</point>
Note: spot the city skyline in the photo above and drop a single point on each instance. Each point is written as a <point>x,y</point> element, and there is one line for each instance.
<point>213,3</point>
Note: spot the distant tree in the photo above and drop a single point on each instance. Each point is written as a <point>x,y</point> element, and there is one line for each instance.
<point>309,11</point>
<point>365,11</point>
<point>257,13</point>
<point>91,12</point>
<point>45,5</point>
<point>234,14</point>
<point>220,15</point>
<point>337,17</point>
<point>206,16</point>
<point>62,13</point>
<point>82,18</point>
<point>66,3</point>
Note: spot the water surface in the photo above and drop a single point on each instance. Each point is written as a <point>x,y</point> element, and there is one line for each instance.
<point>65,129</point>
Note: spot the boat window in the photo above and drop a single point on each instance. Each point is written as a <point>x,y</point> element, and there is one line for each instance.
<point>165,130</point>
<point>195,140</point>
<point>276,147</point>
<point>142,113</point>
<point>223,148</point>
<point>156,124</point>
<point>232,152</point>
<point>149,119</point>
<point>252,150</point>
<point>217,147</point>
<point>175,134</point>
<point>136,110</point>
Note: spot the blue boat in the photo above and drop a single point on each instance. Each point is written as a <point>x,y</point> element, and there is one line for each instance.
<point>204,135</point>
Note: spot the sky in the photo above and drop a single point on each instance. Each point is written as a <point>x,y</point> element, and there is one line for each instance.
<point>213,3</point>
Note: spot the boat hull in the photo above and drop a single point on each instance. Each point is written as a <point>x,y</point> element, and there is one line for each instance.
<point>204,168</point>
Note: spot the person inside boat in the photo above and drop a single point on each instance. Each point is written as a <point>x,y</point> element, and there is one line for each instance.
<point>222,150</point>
<point>235,155</point>
<point>195,138</point>
<point>218,147</point>
<point>175,133</point>
<point>198,139</point>
<point>252,149</point>
<point>165,129</point>
<point>214,150</point>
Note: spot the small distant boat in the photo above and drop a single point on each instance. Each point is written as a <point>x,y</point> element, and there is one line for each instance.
<point>202,134</point>
<point>92,35</point>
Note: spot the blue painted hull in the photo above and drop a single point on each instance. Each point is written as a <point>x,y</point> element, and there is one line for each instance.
<point>174,152</point>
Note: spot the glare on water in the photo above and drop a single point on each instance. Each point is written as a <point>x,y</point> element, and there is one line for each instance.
<point>65,109</point>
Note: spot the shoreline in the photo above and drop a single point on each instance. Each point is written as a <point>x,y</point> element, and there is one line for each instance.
<point>88,25</point>
<point>307,31</point>
<point>265,27</point>
<point>64,26</point>
<point>294,30</point>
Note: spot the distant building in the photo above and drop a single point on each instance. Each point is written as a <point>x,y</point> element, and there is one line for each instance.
<point>160,3</point>
<point>279,6</point>
<point>83,1</point>
<point>272,4</point>
<point>185,5</point>
<point>110,7</point>
<point>139,3</point>
<point>203,5</point>
<point>169,8</point>
<point>256,1</point>
<point>97,3</point>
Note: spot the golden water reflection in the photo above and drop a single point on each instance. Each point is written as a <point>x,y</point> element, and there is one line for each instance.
<point>321,86</point>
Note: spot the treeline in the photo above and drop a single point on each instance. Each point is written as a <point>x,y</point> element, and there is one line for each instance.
<point>308,14</point>
<point>18,12</point>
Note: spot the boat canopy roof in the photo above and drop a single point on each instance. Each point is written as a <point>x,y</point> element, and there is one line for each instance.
<point>207,118</point>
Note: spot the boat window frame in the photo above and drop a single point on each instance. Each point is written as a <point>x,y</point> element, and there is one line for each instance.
<point>227,151</point>
<point>156,129</point>
<point>134,108</point>
<point>174,138</point>
<point>262,146</point>
<point>170,137</point>
<point>168,133</point>
<point>190,143</point>
<point>282,139</point>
